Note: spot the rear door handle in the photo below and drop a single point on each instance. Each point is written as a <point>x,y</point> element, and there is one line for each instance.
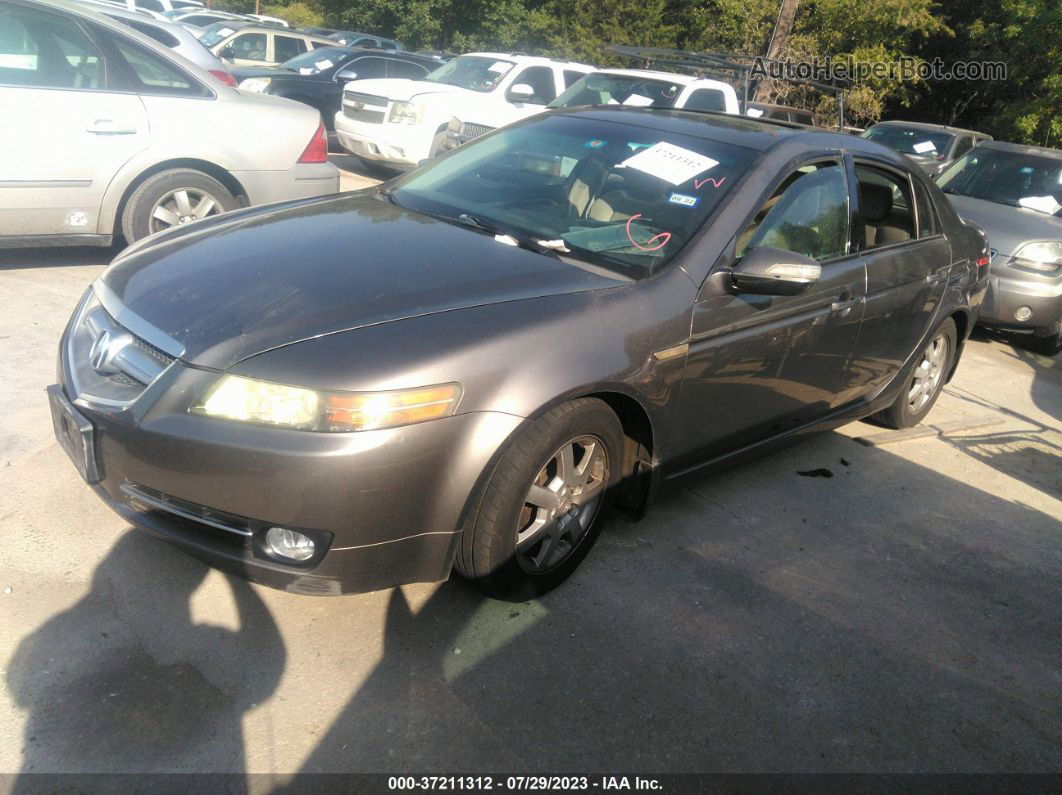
<point>108,127</point>
<point>937,275</point>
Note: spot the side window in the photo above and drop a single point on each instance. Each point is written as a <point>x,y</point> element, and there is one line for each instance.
<point>410,71</point>
<point>964,145</point>
<point>39,49</point>
<point>158,34</point>
<point>287,47</point>
<point>154,74</point>
<point>885,204</point>
<point>370,67</point>
<point>706,99</point>
<point>249,46</point>
<point>927,224</point>
<point>540,78</point>
<point>808,214</point>
<point>570,77</point>
<point>150,5</point>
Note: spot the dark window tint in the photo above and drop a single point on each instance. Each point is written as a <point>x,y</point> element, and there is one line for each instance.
<point>154,74</point>
<point>540,78</point>
<point>249,46</point>
<point>287,47</point>
<point>406,69</point>
<point>807,214</point>
<point>926,214</point>
<point>706,99</point>
<point>369,67</point>
<point>39,49</point>
<point>571,77</point>
<point>885,205</point>
<point>964,145</point>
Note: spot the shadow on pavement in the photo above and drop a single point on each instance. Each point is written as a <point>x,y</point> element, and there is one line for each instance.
<point>888,619</point>
<point>124,681</point>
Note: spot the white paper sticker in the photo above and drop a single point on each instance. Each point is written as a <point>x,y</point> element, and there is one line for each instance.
<point>925,146</point>
<point>670,163</point>
<point>323,64</point>
<point>305,70</point>
<point>638,101</point>
<point>754,112</point>
<point>500,66</point>
<point>224,32</point>
<point>1043,204</point>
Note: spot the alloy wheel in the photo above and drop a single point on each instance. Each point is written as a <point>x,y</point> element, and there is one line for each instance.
<point>929,375</point>
<point>561,504</point>
<point>182,206</point>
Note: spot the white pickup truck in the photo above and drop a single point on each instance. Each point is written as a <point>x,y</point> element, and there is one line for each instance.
<point>637,87</point>
<point>394,121</point>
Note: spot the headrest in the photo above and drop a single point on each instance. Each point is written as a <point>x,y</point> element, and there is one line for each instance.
<point>876,200</point>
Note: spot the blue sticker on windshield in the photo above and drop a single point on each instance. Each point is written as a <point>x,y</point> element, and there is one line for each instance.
<point>683,199</point>
<point>1026,169</point>
<point>595,143</point>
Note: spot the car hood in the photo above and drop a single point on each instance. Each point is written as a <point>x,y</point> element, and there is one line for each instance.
<point>1007,227</point>
<point>403,90</point>
<point>233,287</point>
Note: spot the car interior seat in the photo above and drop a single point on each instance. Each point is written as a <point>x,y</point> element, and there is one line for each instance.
<point>882,226</point>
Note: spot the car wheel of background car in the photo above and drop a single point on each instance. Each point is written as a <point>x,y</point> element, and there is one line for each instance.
<point>1048,341</point>
<point>171,198</point>
<point>926,381</point>
<point>539,513</point>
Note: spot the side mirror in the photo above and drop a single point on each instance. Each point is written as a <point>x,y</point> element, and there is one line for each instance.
<point>774,271</point>
<point>346,74</point>
<point>226,52</point>
<point>521,92</point>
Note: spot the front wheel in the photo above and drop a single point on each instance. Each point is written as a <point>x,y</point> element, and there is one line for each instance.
<point>1048,341</point>
<point>926,381</point>
<point>540,512</point>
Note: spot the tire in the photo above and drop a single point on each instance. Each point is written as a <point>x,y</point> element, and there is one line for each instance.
<point>1048,341</point>
<point>159,194</point>
<point>498,549</point>
<point>911,407</point>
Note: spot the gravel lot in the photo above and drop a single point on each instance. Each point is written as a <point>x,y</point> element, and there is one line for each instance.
<point>901,615</point>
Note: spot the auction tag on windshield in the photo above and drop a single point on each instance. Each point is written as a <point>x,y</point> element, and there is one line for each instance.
<point>670,163</point>
<point>323,64</point>
<point>638,101</point>
<point>1043,204</point>
<point>499,66</point>
<point>225,31</point>
<point>925,146</point>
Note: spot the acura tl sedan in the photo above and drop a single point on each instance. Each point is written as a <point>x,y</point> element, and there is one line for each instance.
<point>463,369</point>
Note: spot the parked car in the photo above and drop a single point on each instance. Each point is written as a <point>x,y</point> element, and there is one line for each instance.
<point>1015,193</point>
<point>762,110</point>
<point>218,31</point>
<point>317,78</point>
<point>318,31</point>
<point>466,367</point>
<point>255,45</point>
<point>201,18</point>
<point>394,122</point>
<point>634,87</point>
<point>933,146</point>
<point>173,36</point>
<point>353,38</point>
<point>143,138</point>
<point>268,21</point>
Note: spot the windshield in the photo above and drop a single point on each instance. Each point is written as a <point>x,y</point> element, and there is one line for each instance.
<point>474,72</point>
<point>319,60</point>
<point>911,140</point>
<point>216,32</point>
<point>617,195</point>
<point>1014,178</point>
<point>605,89</point>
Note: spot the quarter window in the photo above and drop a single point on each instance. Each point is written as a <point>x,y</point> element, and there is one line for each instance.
<point>926,218</point>
<point>46,51</point>
<point>807,214</point>
<point>154,74</point>
<point>886,207</point>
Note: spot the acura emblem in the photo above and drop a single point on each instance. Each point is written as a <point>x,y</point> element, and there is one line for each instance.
<point>106,350</point>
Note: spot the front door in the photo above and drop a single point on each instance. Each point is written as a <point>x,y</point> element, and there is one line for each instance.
<point>761,365</point>
<point>70,134</point>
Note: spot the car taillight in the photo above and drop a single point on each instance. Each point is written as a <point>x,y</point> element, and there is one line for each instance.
<point>316,150</point>
<point>224,76</point>
<point>983,261</point>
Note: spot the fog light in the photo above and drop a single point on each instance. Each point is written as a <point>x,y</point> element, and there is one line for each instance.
<point>289,543</point>
<point>1023,313</point>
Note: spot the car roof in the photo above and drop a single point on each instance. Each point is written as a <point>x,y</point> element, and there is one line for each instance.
<point>1025,149</point>
<point>920,125</point>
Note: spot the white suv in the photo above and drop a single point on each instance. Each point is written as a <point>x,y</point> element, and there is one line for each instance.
<point>393,121</point>
<point>636,87</point>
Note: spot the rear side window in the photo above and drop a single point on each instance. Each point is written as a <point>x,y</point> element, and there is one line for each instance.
<point>886,206</point>
<point>706,99</point>
<point>287,47</point>
<point>410,71</point>
<point>154,74</point>
<point>40,49</point>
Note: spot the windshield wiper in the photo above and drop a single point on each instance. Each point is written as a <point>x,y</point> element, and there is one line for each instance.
<point>547,247</point>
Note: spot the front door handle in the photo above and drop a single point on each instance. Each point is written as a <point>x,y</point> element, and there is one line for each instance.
<point>108,127</point>
<point>844,305</point>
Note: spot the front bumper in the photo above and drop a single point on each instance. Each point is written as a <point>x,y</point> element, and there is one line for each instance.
<point>303,181</point>
<point>385,506</point>
<point>397,144</point>
<point>1009,291</point>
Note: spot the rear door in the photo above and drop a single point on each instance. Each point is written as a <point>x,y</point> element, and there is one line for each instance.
<point>75,124</point>
<point>907,261</point>
<point>286,47</point>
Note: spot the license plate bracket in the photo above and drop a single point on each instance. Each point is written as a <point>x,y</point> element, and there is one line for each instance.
<point>75,434</point>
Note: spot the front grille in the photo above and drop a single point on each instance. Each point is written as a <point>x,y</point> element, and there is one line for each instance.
<point>365,107</point>
<point>469,131</point>
<point>108,364</point>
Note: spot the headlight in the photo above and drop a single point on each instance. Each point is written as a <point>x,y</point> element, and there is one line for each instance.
<point>405,113</point>
<point>1044,256</point>
<point>234,397</point>
<point>258,84</point>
